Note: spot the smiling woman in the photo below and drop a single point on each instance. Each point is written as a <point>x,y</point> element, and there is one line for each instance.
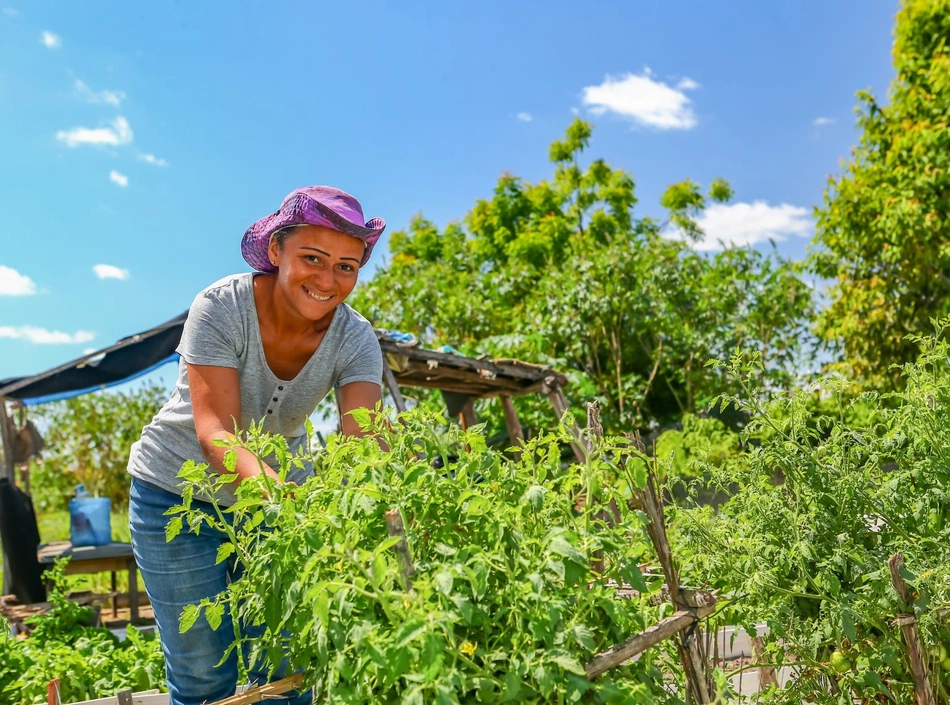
<point>263,347</point>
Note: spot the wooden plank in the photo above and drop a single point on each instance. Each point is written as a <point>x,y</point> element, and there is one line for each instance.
<point>467,363</point>
<point>263,692</point>
<point>908,625</point>
<point>661,631</point>
<point>146,697</point>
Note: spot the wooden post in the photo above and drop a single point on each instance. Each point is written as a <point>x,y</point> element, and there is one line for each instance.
<point>688,645</point>
<point>468,415</point>
<point>559,402</point>
<point>8,471</point>
<point>515,432</point>
<point>767,674</point>
<point>6,436</point>
<point>390,378</point>
<point>395,527</point>
<point>908,625</point>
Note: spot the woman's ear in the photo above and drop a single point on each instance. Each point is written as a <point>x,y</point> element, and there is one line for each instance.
<point>273,251</point>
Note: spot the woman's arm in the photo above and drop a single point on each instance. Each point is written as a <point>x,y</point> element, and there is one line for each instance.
<point>357,395</point>
<point>216,405</point>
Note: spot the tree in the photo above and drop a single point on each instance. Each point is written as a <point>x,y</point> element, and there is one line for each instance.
<point>88,439</point>
<point>883,232</point>
<point>562,272</point>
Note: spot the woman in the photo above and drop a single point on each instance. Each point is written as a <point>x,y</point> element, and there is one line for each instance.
<point>259,346</point>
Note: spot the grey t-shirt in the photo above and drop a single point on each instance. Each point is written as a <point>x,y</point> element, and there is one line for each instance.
<point>222,330</point>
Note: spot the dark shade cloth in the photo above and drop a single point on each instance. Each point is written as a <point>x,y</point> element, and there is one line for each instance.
<point>128,358</point>
<point>20,537</point>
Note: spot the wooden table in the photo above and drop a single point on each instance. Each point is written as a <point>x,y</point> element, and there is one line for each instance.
<point>109,558</point>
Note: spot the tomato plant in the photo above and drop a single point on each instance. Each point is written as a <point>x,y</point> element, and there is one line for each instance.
<point>502,605</point>
<point>820,505</point>
<point>90,662</point>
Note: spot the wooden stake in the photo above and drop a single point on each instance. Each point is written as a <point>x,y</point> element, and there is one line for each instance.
<point>395,527</point>
<point>661,631</point>
<point>908,625</point>
<point>52,692</point>
<point>689,646</point>
<point>767,674</point>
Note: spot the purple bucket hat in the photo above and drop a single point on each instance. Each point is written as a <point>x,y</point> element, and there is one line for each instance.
<point>311,205</point>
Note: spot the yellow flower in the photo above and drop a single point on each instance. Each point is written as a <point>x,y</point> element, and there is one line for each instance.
<point>468,648</point>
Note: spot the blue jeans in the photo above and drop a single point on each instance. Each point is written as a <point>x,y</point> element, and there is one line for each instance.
<point>180,573</point>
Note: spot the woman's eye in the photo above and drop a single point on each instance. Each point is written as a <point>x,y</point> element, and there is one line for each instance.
<point>313,259</point>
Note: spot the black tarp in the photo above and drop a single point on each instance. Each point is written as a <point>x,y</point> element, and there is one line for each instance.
<point>128,358</point>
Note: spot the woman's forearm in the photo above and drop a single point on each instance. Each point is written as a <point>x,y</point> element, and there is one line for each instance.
<point>247,464</point>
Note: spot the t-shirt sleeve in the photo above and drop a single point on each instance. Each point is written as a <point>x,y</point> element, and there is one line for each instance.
<point>209,336</point>
<point>362,358</point>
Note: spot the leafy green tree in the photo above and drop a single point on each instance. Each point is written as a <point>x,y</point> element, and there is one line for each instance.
<point>562,272</point>
<point>883,234</point>
<point>88,439</point>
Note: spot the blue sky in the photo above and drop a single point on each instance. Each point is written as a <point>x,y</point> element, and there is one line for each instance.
<point>139,140</point>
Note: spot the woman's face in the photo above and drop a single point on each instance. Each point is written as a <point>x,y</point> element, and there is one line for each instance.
<point>317,268</point>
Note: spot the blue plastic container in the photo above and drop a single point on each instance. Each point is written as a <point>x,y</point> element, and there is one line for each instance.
<point>90,521</point>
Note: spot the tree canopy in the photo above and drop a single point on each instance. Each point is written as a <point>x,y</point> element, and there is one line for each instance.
<point>883,233</point>
<point>565,272</point>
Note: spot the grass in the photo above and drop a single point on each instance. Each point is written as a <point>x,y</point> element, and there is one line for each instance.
<point>54,526</point>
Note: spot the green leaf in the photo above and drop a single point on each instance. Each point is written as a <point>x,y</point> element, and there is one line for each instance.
<point>224,551</point>
<point>570,664</point>
<point>173,528</point>
<point>214,611</point>
<point>188,618</point>
<point>562,547</point>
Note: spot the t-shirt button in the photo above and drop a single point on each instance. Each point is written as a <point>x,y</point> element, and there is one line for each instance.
<point>275,398</point>
<point>270,411</point>
<point>280,388</point>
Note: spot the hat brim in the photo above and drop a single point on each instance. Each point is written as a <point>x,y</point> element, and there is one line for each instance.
<point>304,210</point>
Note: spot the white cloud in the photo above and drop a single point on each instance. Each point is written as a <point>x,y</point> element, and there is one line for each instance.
<point>41,336</point>
<point>11,12</point>
<point>118,179</point>
<point>113,98</point>
<point>643,100</point>
<point>822,121</point>
<point>525,117</point>
<point>110,271</point>
<point>153,160</point>
<point>50,40</point>
<point>118,133</point>
<point>743,224</point>
<point>12,283</point>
